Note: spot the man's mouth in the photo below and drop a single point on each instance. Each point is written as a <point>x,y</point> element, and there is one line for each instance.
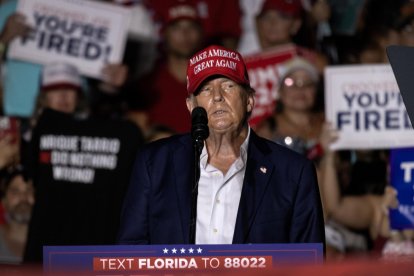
<point>219,112</point>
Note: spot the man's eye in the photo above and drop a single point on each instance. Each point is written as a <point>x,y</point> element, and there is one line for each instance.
<point>228,86</point>
<point>205,89</point>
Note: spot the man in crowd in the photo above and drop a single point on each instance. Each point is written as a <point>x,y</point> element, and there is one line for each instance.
<point>165,85</point>
<point>17,197</point>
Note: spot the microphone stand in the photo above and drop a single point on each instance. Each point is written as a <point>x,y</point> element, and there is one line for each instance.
<point>198,147</point>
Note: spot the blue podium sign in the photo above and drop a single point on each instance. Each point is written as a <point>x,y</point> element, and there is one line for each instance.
<point>402,179</point>
<point>133,259</point>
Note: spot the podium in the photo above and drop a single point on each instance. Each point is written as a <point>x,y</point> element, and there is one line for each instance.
<point>177,259</point>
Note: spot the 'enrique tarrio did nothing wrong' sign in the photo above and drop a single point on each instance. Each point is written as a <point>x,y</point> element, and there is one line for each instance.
<point>364,104</point>
<point>85,33</point>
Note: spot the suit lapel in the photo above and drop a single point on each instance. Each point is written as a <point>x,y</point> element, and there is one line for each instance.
<point>183,170</point>
<point>256,180</point>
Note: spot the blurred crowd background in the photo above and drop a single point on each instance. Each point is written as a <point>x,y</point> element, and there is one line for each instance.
<point>148,89</point>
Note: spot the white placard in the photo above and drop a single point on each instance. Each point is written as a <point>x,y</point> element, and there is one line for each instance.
<point>87,34</point>
<point>364,104</point>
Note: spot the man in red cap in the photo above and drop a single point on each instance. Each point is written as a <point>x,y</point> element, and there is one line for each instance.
<point>277,24</point>
<point>250,189</point>
<point>165,85</point>
<point>220,20</point>
<point>278,21</point>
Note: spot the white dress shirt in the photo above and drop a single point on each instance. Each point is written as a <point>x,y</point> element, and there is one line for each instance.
<point>218,199</point>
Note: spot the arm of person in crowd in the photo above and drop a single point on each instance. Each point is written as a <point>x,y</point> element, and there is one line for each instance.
<point>317,12</point>
<point>351,211</point>
<point>327,171</point>
<point>380,225</point>
<point>9,151</point>
<point>15,26</point>
<point>114,76</point>
<point>358,212</point>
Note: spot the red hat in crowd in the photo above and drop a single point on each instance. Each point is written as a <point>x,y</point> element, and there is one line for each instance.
<point>172,10</point>
<point>215,60</point>
<point>60,75</point>
<point>291,8</point>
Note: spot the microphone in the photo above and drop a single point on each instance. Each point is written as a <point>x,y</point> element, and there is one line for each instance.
<point>199,128</point>
<point>199,132</point>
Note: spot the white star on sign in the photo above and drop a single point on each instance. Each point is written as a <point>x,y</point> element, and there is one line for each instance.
<point>191,251</point>
<point>165,250</point>
<point>174,251</point>
<point>182,250</point>
<point>199,250</point>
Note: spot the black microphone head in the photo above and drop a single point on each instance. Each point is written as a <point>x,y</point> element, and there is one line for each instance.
<point>199,124</point>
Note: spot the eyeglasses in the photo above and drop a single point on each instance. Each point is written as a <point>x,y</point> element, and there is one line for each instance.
<point>298,83</point>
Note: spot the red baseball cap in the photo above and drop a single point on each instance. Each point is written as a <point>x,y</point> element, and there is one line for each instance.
<point>215,60</point>
<point>288,7</point>
<point>169,11</point>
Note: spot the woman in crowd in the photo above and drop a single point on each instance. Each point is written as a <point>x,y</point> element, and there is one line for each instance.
<point>296,122</point>
<point>60,89</point>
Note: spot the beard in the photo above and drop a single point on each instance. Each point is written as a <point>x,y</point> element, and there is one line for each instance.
<point>21,213</point>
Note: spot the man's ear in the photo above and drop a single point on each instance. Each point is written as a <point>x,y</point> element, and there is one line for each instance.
<point>190,102</point>
<point>250,103</point>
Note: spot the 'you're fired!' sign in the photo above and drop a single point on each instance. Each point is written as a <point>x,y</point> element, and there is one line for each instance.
<point>87,34</point>
<point>364,104</point>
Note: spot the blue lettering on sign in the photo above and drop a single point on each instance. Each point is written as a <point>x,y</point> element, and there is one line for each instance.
<point>367,111</point>
<point>392,120</point>
<point>367,99</point>
<point>373,120</point>
<point>364,99</point>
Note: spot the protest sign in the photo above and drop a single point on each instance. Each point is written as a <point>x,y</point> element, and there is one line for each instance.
<point>364,104</point>
<point>87,34</point>
<point>402,179</point>
<point>81,170</point>
<point>264,77</point>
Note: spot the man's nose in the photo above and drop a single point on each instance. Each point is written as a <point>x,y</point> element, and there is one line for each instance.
<point>26,196</point>
<point>218,94</point>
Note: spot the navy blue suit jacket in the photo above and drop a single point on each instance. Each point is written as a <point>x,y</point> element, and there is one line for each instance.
<point>280,200</point>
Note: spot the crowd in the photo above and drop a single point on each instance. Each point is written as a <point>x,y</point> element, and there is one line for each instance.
<point>148,88</point>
